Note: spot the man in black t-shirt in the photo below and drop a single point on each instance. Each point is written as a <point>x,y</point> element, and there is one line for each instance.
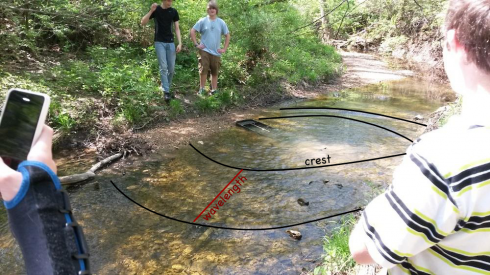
<point>164,15</point>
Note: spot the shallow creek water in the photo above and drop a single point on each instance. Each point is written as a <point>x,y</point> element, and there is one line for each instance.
<point>126,239</point>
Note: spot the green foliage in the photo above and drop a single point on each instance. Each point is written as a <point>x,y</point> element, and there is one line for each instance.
<point>76,76</point>
<point>215,102</point>
<point>301,61</point>
<point>65,121</point>
<point>105,64</point>
<point>72,25</point>
<point>58,117</point>
<point>337,258</point>
<point>175,108</point>
<point>272,50</point>
<point>377,20</point>
<point>123,77</point>
<point>225,97</point>
<point>208,104</point>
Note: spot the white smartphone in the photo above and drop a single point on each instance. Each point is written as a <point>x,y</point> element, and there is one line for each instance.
<point>23,116</point>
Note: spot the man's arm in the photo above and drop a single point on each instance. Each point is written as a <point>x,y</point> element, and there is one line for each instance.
<point>227,42</point>
<point>193,36</point>
<point>226,33</point>
<point>194,41</point>
<point>410,216</point>
<point>40,215</point>
<point>177,32</point>
<point>11,180</point>
<point>357,246</point>
<point>146,18</point>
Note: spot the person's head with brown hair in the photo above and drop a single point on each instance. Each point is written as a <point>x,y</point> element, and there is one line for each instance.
<point>212,8</point>
<point>467,43</point>
<point>471,21</point>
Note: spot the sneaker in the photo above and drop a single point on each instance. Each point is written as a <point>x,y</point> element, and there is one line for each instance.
<point>213,92</point>
<point>201,92</point>
<point>167,97</point>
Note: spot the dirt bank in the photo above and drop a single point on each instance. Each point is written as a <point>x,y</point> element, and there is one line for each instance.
<point>359,70</point>
<point>423,54</point>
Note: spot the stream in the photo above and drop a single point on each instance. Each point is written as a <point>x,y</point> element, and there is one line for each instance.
<point>127,239</point>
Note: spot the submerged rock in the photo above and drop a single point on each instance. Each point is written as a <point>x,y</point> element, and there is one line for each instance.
<point>303,202</point>
<point>294,234</point>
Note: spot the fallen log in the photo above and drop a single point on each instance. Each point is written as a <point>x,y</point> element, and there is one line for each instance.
<point>90,174</point>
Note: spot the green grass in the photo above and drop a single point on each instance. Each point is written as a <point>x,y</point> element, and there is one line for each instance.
<point>175,108</point>
<point>337,258</point>
<point>216,102</point>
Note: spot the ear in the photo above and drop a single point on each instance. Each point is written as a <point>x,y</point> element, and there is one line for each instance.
<point>452,41</point>
<point>455,47</point>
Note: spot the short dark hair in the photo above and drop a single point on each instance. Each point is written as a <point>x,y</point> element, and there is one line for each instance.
<point>214,5</point>
<point>471,21</point>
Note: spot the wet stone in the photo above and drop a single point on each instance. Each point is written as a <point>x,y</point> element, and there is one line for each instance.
<point>294,234</point>
<point>178,267</point>
<point>302,202</point>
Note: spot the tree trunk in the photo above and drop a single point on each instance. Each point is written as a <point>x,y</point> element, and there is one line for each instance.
<point>324,33</point>
<point>26,18</point>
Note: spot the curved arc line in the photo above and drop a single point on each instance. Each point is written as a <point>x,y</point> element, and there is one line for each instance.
<point>289,169</point>
<point>351,110</point>
<point>231,228</point>
<point>343,117</point>
<point>311,167</point>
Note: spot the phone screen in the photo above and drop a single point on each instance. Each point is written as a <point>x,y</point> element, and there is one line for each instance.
<point>18,125</point>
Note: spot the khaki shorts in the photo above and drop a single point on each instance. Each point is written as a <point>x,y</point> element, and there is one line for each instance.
<point>208,62</point>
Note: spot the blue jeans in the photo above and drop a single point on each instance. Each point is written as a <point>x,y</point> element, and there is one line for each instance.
<point>166,60</point>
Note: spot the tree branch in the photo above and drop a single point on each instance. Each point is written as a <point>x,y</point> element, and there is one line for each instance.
<point>316,20</point>
<point>56,14</point>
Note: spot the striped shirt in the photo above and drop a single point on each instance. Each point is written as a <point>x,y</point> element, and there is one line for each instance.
<point>435,217</point>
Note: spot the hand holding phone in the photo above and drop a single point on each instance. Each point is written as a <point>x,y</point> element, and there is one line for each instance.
<point>10,179</point>
<point>21,123</point>
<point>42,149</point>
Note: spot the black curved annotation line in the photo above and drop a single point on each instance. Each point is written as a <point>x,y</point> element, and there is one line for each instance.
<point>309,167</point>
<point>232,228</point>
<point>288,169</point>
<point>351,110</point>
<point>343,117</point>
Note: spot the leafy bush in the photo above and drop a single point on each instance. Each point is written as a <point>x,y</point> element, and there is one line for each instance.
<point>175,108</point>
<point>112,62</point>
<point>207,104</point>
